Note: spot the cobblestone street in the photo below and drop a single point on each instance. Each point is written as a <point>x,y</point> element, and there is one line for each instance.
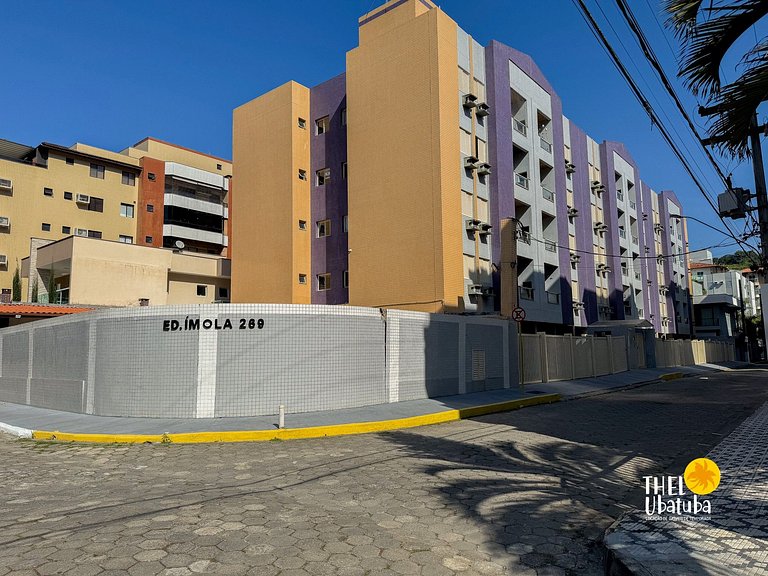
<point>525,492</point>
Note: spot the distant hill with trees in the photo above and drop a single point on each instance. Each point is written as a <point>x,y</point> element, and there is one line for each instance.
<point>738,260</point>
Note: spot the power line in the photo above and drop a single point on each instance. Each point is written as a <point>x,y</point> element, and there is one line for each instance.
<point>595,28</point>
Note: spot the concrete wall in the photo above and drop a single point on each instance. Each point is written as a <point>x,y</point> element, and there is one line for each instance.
<point>132,362</point>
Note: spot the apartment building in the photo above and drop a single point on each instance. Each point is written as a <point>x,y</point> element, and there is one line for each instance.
<point>151,194</point>
<point>392,184</point>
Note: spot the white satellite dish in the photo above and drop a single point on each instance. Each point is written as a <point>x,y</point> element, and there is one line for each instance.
<point>179,245</point>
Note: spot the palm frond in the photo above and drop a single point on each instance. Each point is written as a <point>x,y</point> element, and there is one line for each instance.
<point>707,42</point>
<point>682,15</point>
<point>738,101</point>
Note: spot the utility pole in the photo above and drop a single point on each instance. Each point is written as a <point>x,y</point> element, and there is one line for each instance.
<point>760,189</point>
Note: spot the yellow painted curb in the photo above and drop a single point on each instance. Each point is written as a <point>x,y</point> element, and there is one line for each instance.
<point>671,376</point>
<point>297,433</point>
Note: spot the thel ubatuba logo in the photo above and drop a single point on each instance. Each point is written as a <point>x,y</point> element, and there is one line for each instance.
<point>678,496</point>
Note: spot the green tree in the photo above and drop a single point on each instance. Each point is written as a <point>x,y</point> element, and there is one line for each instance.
<point>707,31</point>
<point>51,287</point>
<point>16,285</point>
<point>34,290</point>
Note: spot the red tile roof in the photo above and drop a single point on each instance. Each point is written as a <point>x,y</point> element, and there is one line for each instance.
<point>39,310</point>
<point>694,265</point>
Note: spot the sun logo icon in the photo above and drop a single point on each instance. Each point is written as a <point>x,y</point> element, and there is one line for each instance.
<point>702,476</point>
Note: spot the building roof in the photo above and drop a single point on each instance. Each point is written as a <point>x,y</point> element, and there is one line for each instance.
<point>80,154</point>
<point>14,150</point>
<point>181,148</point>
<point>23,309</point>
<point>695,265</point>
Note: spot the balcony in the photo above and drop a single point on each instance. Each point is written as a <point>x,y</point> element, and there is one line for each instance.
<point>633,205</point>
<point>635,241</point>
<point>550,246</point>
<point>171,199</point>
<point>526,293</point>
<point>620,195</point>
<point>622,233</point>
<point>548,194</point>
<point>521,181</point>
<point>637,276</point>
<point>520,127</point>
<point>184,232</point>
<point>196,176</point>
<point>553,298</point>
<point>524,236</point>
<point>546,146</point>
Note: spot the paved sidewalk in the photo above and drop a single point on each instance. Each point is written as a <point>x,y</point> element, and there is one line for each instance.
<point>23,421</point>
<point>732,541</point>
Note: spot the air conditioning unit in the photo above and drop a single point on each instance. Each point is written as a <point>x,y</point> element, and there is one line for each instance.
<point>470,101</point>
<point>488,291</point>
<point>483,169</point>
<point>485,227</point>
<point>658,227</point>
<point>81,232</point>
<point>482,109</point>
<point>578,305</point>
<point>83,199</point>
<point>570,167</point>
<point>575,257</point>
<point>6,184</point>
<point>572,212</point>
<point>5,222</point>
<point>470,162</point>
<point>597,186</point>
<point>473,224</point>
<point>475,289</point>
<point>3,260</point>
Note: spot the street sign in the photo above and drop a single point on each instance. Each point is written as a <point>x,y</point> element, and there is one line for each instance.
<point>518,314</point>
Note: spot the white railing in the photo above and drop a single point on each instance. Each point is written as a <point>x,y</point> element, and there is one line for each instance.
<point>521,181</point>
<point>545,145</point>
<point>548,194</point>
<point>550,246</point>
<point>524,236</point>
<point>520,126</point>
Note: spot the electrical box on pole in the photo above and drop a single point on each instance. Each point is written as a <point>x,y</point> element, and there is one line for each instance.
<point>733,203</point>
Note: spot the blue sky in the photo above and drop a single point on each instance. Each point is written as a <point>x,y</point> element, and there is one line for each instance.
<point>111,73</point>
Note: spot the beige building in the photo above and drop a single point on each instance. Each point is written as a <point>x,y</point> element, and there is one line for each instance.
<point>152,194</point>
<point>86,271</point>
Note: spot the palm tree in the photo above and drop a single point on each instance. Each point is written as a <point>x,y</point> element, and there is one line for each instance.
<point>707,30</point>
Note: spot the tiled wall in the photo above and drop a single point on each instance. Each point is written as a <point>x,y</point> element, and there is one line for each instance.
<point>173,362</point>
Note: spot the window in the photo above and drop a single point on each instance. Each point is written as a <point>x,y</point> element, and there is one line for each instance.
<point>150,207</point>
<point>345,224</point>
<point>129,178</point>
<point>302,224</point>
<point>148,239</point>
<point>151,176</point>
<point>302,174</point>
<point>48,191</point>
<point>323,176</point>
<point>302,278</point>
<point>302,123</point>
<point>343,116</point>
<point>46,227</point>
<point>345,278</point>
<point>96,204</point>
<point>344,170</point>
<point>218,166</point>
<point>71,161</point>
<point>202,289</point>
<point>67,195</point>
<point>125,239</point>
<point>66,230</point>
<point>323,282</point>
<point>323,228</point>
<point>321,125</point>
<point>223,293</point>
<point>97,171</point>
<point>126,210</point>
<point>94,234</point>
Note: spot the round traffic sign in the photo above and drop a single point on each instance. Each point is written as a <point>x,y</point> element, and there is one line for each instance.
<point>518,314</point>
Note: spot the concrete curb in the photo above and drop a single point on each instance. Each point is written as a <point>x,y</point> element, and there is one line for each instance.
<point>296,433</point>
<point>15,430</point>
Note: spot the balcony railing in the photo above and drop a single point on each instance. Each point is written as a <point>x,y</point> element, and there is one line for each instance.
<point>619,194</point>
<point>521,181</point>
<point>526,293</point>
<point>548,194</point>
<point>545,145</point>
<point>637,276</point>
<point>622,233</point>
<point>632,205</point>
<point>550,246</point>
<point>635,240</point>
<point>624,271</point>
<point>553,298</point>
<point>524,236</point>
<point>520,126</point>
